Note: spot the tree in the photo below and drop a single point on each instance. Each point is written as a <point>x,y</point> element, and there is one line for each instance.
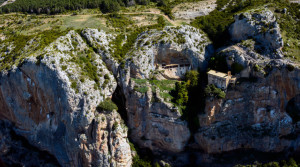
<point>191,77</point>
<point>181,96</point>
<point>107,105</point>
<point>161,21</point>
<point>109,6</point>
<point>213,91</point>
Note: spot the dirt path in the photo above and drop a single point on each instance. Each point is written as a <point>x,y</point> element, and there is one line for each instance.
<point>191,10</point>
<point>151,11</point>
<point>155,12</point>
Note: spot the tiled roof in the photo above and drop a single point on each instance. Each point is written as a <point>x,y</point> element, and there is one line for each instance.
<point>219,74</point>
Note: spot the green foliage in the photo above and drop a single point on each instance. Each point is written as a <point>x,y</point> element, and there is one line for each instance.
<point>63,67</point>
<point>107,105</point>
<point>217,22</point>
<point>181,90</point>
<point>166,6</point>
<point>291,163</point>
<point>115,125</point>
<point>121,49</point>
<point>85,60</point>
<point>161,21</point>
<point>191,77</point>
<point>215,25</point>
<point>213,91</point>
<point>138,162</point>
<point>132,148</point>
<point>17,54</point>
<point>180,39</point>
<point>118,21</point>
<point>142,89</point>
<point>108,6</point>
<point>74,85</point>
<point>59,6</point>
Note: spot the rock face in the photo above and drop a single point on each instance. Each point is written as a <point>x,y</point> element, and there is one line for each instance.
<point>154,122</point>
<point>16,152</point>
<point>261,26</point>
<point>52,99</point>
<point>253,115</point>
<point>169,46</point>
<point>188,11</point>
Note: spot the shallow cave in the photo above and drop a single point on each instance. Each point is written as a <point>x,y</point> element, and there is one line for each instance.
<point>293,108</point>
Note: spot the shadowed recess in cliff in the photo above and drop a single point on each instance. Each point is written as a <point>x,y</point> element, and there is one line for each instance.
<point>119,99</point>
<point>19,152</point>
<point>293,108</point>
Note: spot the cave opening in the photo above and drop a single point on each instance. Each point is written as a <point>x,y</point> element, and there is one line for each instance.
<point>119,99</point>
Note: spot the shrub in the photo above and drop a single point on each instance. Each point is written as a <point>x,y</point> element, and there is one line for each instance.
<point>213,91</point>
<point>191,77</point>
<point>64,67</point>
<point>74,85</point>
<point>142,89</point>
<point>181,95</point>
<point>107,105</point>
<point>115,125</point>
<point>138,162</point>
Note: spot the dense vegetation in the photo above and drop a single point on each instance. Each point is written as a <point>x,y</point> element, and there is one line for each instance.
<point>19,41</point>
<point>190,98</point>
<point>213,91</point>
<point>120,48</point>
<point>107,105</point>
<point>217,22</point>
<point>290,163</point>
<point>106,6</point>
<point>59,6</point>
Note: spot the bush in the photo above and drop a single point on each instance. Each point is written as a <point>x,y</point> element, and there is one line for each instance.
<point>74,85</point>
<point>181,93</point>
<point>138,162</point>
<point>191,77</point>
<point>107,105</point>
<point>213,91</point>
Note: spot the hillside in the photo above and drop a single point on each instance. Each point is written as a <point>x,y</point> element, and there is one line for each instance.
<point>150,83</point>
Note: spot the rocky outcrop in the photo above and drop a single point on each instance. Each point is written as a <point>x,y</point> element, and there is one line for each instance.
<point>261,26</point>
<point>169,46</point>
<point>15,151</point>
<point>191,10</point>
<point>252,116</point>
<point>155,124</point>
<point>52,97</point>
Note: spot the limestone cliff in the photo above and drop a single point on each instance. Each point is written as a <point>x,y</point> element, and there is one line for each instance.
<point>155,124</point>
<point>52,99</point>
<point>253,115</point>
<point>261,26</point>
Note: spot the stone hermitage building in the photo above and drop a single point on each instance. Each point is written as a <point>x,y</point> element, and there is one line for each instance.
<point>220,79</point>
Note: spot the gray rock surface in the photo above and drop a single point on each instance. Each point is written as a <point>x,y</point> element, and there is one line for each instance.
<point>53,103</point>
<point>261,26</point>
<point>252,116</point>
